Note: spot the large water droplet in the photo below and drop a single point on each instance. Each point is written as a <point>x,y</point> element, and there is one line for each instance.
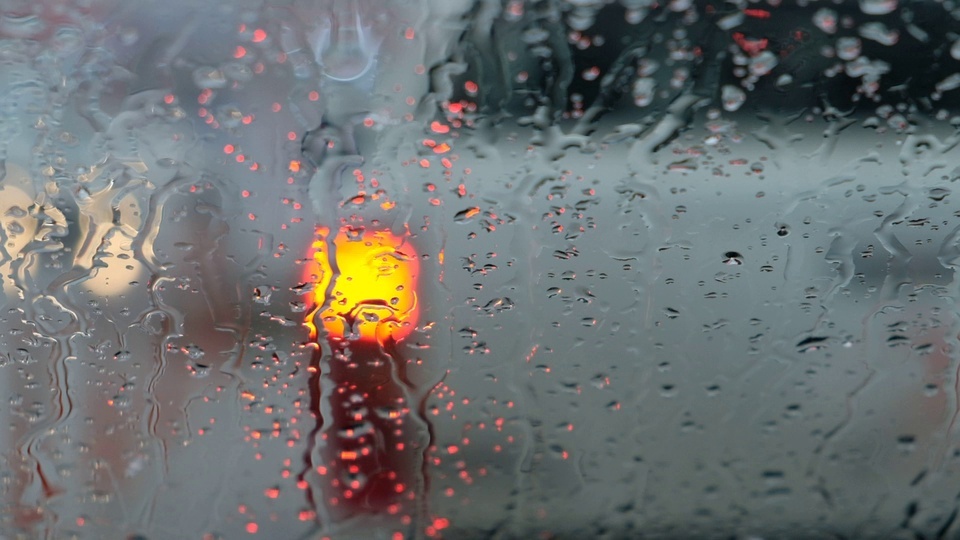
<point>877,7</point>
<point>733,97</point>
<point>347,50</point>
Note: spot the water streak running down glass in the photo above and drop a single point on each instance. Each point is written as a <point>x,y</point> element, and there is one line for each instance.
<point>479,269</point>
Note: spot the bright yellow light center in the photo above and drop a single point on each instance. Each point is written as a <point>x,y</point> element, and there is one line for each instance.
<point>374,295</point>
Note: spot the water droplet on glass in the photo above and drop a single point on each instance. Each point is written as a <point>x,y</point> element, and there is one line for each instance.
<point>950,83</point>
<point>879,32</point>
<point>498,305</point>
<point>848,48</point>
<point>877,7</point>
<point>207,77</point>
<point>535,35</point>
<point>825,19</point>
<point>194,352</point>
<point>733,97</point>
<point>763,63</point>
<point>25,26</point>
<point>346,49</point>
<point>906,443</point>
<point>812,344</point>
<point>643,91</point>
<point>732,258</point>
<point>938,193</point>
<point>785,79</point>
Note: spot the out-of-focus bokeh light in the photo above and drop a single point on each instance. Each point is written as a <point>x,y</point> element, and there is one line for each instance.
<point>373,295</point>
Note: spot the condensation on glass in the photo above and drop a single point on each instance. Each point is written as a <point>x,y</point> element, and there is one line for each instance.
<point>479,269</point>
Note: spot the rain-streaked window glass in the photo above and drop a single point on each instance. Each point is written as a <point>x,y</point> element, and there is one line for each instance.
<point>479,269</point>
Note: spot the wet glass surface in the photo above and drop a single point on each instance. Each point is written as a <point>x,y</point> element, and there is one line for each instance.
<point>479,269</point>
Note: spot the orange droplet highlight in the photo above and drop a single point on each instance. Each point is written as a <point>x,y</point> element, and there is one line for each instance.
<point>373,297</point>
<point>259,35</point>
<point>239,52</point>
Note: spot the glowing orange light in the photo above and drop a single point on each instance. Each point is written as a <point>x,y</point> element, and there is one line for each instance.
<point>373,296</point>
